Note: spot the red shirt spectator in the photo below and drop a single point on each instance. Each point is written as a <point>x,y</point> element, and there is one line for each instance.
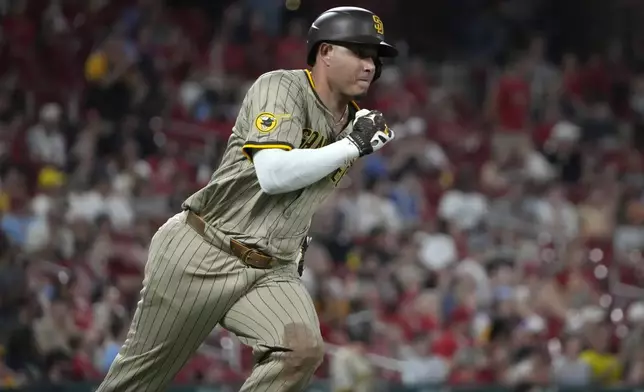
<point>417,81</point>
<point>83,315</point>
<point>224,55</point>
<point>512,102</point>
<point>542,133</point>
<point>234,58</point>
<point>20,31</point>
<point>455,336</point>
<point>463,376</point>
<point>596,80</point>
<point>446,128</point>
<point>291,50</point>
<point>412,323</point>
<point>83,369</point>
<point>397,100</point>
<point>291,54</point>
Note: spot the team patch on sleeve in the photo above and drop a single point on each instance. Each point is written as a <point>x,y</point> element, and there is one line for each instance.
<point>266,122</point>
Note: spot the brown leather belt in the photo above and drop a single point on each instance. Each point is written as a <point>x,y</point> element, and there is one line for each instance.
<point>249,256</point>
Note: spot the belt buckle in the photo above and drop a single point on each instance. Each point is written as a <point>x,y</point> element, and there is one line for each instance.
<point>246,256</point>
<point>246,259</point>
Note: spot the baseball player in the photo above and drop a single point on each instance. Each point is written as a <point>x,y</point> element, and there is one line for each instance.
<point>231,257</point>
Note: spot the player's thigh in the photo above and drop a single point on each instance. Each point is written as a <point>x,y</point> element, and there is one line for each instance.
<point>189,286</point>
<point>277,314</point>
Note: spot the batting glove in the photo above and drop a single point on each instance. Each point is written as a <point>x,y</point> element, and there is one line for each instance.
<point>370,131</point>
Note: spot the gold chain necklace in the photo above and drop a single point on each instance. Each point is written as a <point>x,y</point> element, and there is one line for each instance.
<point>341,118</point>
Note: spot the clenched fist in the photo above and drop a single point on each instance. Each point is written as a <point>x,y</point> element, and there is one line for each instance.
<point>370,131</point>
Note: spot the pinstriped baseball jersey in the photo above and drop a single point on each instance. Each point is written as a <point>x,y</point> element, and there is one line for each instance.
<point>281,110</point>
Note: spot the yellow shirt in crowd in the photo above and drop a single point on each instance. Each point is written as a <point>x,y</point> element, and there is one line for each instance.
<point>605,367</point>
<point>5,202</point>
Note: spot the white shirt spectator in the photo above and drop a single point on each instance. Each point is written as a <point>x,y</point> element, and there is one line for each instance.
<point>417,366</point>
<point>369,211</point>
<point>351,371</point>
<point>435,155</point>
<point>39,236</point>
<point>565,131</point>
<point>475,270</point>
<point>428,370</point>
<point>41,204</point>
<point>125,181</point>
<point>466,210</point>
<point>436,250</point>
<point>544,75</point>
<point>564,216</point>
<point>47,147</point>
<point>571,372</point>
<point>519,371</point>
<point>90,205</point>
<point>537,167</point>
<point>47,144</point>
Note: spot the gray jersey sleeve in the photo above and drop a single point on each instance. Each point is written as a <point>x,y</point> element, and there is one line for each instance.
<point>275,111</point>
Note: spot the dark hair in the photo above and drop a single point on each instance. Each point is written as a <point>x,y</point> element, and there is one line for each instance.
<point>75,343</point>
<point>442,225</point>
<point>465,179</point>
<point>524,386</point>
<point>5,245</point>
<point>116,327</point>
<point>54,358</point>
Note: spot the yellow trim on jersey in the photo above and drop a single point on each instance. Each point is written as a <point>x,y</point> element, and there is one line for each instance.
<point>312,83</point>
<point>263,146</point>
<point>310,78</point>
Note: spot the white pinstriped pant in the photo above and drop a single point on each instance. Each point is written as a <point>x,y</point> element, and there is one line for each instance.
<point>190,286</point>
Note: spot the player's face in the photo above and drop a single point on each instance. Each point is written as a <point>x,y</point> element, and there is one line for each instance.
<point>353,68</point>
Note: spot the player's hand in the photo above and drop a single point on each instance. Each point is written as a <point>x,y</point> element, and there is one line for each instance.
<point>370,131</point>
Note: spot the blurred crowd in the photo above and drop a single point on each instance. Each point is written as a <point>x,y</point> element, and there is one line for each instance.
<point>498,240</point>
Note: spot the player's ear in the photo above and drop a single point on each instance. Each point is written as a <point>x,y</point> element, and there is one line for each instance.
<point>326,51</point>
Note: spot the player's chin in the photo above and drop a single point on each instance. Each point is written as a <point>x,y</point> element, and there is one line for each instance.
<point>361,88</point>
<point>363,84</point>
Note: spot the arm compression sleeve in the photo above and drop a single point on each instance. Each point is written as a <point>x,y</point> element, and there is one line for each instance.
<point>280,171</point>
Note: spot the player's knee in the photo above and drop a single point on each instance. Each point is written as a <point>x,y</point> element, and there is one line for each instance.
<point>306,345</point>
